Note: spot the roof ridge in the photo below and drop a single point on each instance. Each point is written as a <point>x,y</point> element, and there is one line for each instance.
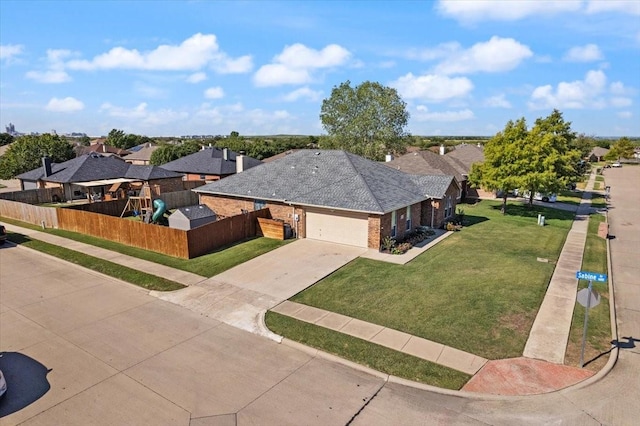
<point>364,181</point>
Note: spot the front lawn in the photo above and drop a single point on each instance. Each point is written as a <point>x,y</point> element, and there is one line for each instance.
<point>478,290</point>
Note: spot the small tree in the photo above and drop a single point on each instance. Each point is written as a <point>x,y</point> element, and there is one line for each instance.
<point>368,120</point>
<point>622,149</point>
<point>27,151</point>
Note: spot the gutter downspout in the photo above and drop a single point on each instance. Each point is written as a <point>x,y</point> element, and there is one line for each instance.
<point>432,213</point>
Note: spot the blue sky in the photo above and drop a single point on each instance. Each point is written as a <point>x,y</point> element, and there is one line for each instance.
<point>172,68</point>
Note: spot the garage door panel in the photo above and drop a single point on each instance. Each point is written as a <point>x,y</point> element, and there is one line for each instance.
<point>338,227</point>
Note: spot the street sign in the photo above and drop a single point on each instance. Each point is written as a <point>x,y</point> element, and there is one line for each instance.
<point>591,276</point>
<point>588,298</point>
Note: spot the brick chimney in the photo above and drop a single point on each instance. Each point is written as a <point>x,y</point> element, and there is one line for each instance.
<point>46,166</point>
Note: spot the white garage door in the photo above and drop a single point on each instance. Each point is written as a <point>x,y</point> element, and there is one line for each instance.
<point>338,227</point>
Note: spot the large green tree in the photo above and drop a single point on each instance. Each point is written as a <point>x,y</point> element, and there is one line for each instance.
<point>540,159</point>
<point>122,140</point>
<point>368,119</point>
<point>27,151</point>
<point>621,149</point>
<point>5,139</point>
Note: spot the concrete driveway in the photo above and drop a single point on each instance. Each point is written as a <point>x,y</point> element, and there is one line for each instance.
<point>241,295</point>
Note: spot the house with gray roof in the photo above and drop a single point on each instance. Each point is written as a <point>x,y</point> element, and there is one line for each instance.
<point>597,154</point>
<point>97,174</point>
<point>336,196</point>
<point>211,163</point>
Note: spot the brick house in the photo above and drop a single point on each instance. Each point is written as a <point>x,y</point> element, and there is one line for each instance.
<point>211,164</point>
<point>101,176</point>
<point>336,196</point>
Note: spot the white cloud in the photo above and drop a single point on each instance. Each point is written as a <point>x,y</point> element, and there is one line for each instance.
<point>236,116</point>
<point>140,115</point>
<point>297,62</point>
<point>586,53</point>
<point>55,72</point>
<point>503,10</point>
<point>578,94</point>
<point>625,114</point>
<point>196,77</point>
<point>620,102</point>
<point>496,55</point>
<point>432,87</point>
<point>442,50</point>
<point>214,93</point>
<point>10,51</point>
<point>623,6</point>
<point>51,76</point>
<point>618,88</point>
<point>194,53</point>
<point>303,92</point>
<point>240,65</point>
<point>423,114</point>
<point>67,104</point>
<point>498,101</point>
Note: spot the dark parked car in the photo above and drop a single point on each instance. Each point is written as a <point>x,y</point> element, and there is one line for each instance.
<point>3,234</point>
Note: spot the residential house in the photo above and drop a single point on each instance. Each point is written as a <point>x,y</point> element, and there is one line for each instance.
<point>462,157</point>
<point>210,164</point>
<point>597,154</point>
<point>98,176</point>
<point>187,218</point>
<point>98,146</point>
<point>142,156</point>
<point>336,196</point>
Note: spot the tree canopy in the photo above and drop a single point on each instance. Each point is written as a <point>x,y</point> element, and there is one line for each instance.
<point>27,151</point>
<point>621,149</point>
<point>122,140</point>
<point>540,159</point>
<point>5,139</point>
<point>368,120</point>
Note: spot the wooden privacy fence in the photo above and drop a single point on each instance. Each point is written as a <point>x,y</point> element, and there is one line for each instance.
<point>35,215</point>
<point>271,228</point>
<point>109,208</point>
<point>206,238</point>
<point>34,196</point>
<point>162,239</point>
<point>173,200</point>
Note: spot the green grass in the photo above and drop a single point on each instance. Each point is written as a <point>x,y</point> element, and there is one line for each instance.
<point>150,282</point>
<point>599,178</point>
<point>207,265</point>
<point>478,290</point>
<point>365,353</point>
<point>596,186</point>
<point>599,326</point>
<point>569,197</point>
<point>598,201</point>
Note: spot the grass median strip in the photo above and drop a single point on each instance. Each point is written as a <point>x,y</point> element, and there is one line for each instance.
<point>141,279</point>
<point>365,353</point>
<point>599,327</point>
<point>207,265</point>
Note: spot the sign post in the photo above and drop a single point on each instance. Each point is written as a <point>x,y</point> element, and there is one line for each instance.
<point>589,299</point>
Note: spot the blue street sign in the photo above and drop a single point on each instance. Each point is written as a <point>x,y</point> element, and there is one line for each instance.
<point>591,276</point>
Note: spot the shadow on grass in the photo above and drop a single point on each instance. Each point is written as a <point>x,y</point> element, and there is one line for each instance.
<point>524,210</point>
<point>470,220</point>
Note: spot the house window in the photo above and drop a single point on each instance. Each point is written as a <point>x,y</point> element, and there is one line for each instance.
<point>259,204</point>
<point>203,177</point>
<point>408,218</point>
<point>394,224</point>
<point>448,210</point>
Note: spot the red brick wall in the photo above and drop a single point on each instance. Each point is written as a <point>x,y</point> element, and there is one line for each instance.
<point>374,236</point>
<point>438,209</point>
<point>401,222</point>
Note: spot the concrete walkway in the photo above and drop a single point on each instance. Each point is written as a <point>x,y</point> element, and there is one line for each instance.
<point>393,339</point>
<point>550,332</point>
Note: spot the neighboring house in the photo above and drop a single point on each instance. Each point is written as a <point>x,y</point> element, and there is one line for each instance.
<point>187,218</point>
<point>97,175</point>
<point>597,154</point>
<point>426,163</point>
<point>101,148</point>
<point>141,156</point>
<point>462,157</point>
<point>336,196</point>
<point>211,163</point>
<point>279,156</point>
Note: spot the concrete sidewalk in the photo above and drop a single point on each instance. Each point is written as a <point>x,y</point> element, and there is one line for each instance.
<point>177,275</point>
<point>550,332</point>
<point>393,339</point>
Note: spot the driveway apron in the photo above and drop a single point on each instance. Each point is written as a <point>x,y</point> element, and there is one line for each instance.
<point>241,295</point>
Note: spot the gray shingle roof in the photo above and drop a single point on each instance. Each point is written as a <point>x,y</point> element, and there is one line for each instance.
<point>425,163</point>
<point>195,212</point>
<point>467,154</point>
<point>335,179</point>
<point>90,167</point>
<point>209,161</point>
